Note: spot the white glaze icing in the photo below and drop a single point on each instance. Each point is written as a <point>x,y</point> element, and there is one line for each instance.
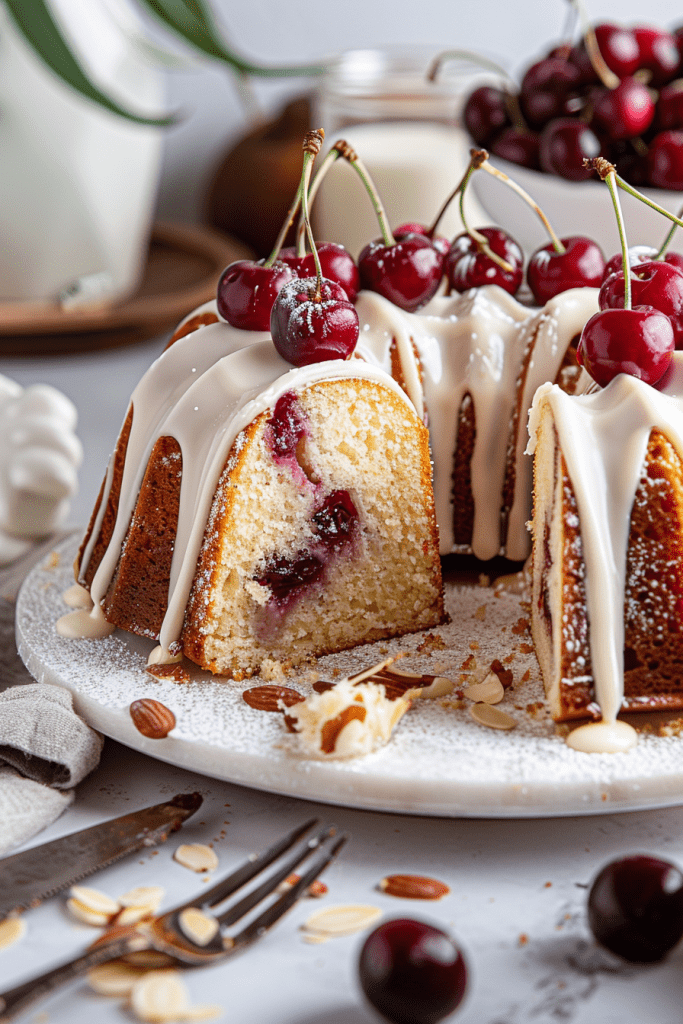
<point>77,596</point>
<point>202,391</point>
<point>476,343</point>
<point>39,459</point>
<point>604,437</point>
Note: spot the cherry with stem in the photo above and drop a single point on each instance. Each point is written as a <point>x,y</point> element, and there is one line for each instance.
<point>638,340</point>
<point>312,319</point>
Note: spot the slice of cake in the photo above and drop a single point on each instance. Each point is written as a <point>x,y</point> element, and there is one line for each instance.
<point>253,511</point>
<point>607,601</point>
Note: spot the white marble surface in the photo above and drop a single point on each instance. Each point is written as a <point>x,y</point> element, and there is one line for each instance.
<point>518,886</point>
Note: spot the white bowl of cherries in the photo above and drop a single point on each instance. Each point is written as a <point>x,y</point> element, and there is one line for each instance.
<point>618,93</point>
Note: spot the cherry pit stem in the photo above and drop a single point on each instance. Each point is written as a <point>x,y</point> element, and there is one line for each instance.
<point>669,238</point>
<point>313,142</point>
<point>490,169</point>
<point>608,174</point>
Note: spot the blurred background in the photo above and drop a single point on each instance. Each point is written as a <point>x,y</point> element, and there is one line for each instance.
<point>270,32</point>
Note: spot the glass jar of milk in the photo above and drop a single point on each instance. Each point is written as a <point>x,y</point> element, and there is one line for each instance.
<point>407,132</point>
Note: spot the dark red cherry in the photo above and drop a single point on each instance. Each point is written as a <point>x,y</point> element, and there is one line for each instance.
<point>412,973</point>
<point>632,164</point>
<point>407,273</point>
<point>658,53</point>
<point>519,147</point>
<point>440,243</point>
<point>636,254</point>
<point>675,259</point>
<point>635,908</point>
<point>665,160</point>
<point>565,144</point>
<point>336,263</point>
<point>638,341</point>
<point>308,331</point>
<point>624,112</point>
<point>287,577</point>
<point>286,427</point>
<point>654,283</point>
<point>247,290</point>
<point>544,90</point>
<point>468,267</point>
<point>581,265</point>
<point>486,114</point>
<point>669,111</point>
<point>618,48</point>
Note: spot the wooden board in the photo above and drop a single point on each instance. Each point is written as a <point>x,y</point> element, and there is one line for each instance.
<point>183,265</point>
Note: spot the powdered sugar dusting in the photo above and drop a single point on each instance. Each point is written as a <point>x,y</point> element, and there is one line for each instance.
<point>439,761</point>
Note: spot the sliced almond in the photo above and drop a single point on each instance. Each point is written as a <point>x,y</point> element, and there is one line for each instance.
<point>85,915</point>
<point>133,915</point>
<point>489,691</point>
<point>115,978</point>
<point>11,930</point>
<point>342,920</point>
<point>197,857</point>
<point>207,1012</point>
<point>148,896</point>
<point>159,996</point>
<point>492,717</point>
<point>94,900</point>
<point>440,687</point>
<point>414,887</point>
<point>197,926</point>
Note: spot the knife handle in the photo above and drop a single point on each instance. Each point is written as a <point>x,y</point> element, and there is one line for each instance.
<point>17,999</point>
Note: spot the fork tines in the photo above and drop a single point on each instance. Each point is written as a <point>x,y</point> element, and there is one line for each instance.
<point>310,855</point>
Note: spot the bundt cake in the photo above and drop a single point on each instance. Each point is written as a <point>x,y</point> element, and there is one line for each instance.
<point>255,511</point>
<point>607,597</point>
<point>470,364</point>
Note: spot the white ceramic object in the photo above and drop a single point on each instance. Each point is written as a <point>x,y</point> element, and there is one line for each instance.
<point>39,459</point>
<point>439,761</point>
<point>573,208</point>
<point>77,183</point>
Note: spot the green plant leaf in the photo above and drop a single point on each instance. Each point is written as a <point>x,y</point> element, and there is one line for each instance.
<point>194,21</point>
<point>35,22</point>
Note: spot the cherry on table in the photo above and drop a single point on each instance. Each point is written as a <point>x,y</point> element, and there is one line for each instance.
<point>310,330</point>
<point>565,144</point>
<point>407,273</point>
<point>638,341</point>
<point>549,272</point>
<point>412,972</point>
<point>247,290</point>
<point>635,908</point>
<point>485,114</point>
<point>468,267</point>
<point>336,263</point>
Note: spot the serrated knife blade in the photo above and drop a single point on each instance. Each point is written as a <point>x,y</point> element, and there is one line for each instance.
<point>33,875</point>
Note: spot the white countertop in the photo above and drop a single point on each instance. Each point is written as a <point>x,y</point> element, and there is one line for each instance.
<point>517,886</point>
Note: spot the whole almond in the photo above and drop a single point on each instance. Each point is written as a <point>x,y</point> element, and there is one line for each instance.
<point>152,718</point>
<point>414,887</point>
<point>269,696</point>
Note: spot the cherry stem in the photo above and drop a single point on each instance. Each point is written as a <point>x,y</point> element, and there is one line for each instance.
<point>477,157</point>
<point>608,78</point>
<point>667,241</point>
<point>312,144</point>
<point>340,148</point>
<point>431,231</point>
<point>362,172</point>
<point>471,58</point>
<point>511,183</point>
<point>649,202</point>
<point>289,220</point>
<point>608,173</point>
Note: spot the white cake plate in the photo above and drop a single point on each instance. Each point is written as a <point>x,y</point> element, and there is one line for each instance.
<point>439,760</point>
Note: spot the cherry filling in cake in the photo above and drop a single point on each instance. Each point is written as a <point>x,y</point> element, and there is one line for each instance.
<point>331,527</point>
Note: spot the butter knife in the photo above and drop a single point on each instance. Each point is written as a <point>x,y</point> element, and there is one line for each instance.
<point>29,877</point>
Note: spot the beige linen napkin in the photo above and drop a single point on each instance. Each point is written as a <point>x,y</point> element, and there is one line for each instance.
<point>45,748</point>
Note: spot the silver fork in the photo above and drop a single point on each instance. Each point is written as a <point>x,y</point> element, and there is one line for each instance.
<point>165,933</point>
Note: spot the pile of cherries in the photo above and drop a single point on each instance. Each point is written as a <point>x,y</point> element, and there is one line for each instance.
<point>415,973</point>
<point>569,108</point>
